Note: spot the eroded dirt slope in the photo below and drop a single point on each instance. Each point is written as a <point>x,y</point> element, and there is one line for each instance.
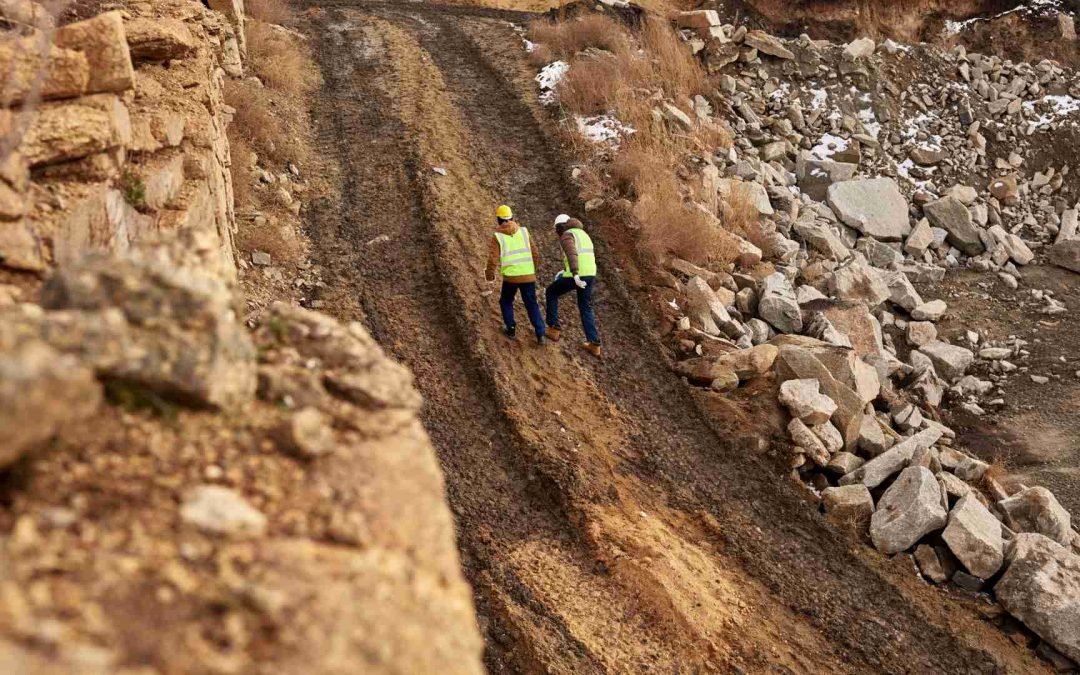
<point>604,523</point>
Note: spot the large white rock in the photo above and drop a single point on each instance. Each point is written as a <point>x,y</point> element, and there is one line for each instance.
<point>706,309</point>
<point>910,509</point>
<point>822,239</point>
<point>879,469</point>
<point>974,537</point>
<point>803,398</point>
<point>851,503</point>
<point>950,361</point>
<point>1041,588</point>
<point>874,207</point>
<point>901,292</point>
<point>858,282</point>
<point>1036,509</point>
<point>778,304</point>
<point>1016,248</point>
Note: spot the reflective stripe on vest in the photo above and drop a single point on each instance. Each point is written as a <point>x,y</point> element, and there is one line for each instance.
<point>515,254</point>
<point>586,257</point>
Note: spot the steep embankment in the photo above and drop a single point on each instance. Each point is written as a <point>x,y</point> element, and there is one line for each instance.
<point>604,524</point>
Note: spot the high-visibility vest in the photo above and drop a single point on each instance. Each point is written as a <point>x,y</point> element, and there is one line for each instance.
<point>586,257</point>
<point>515,254</point>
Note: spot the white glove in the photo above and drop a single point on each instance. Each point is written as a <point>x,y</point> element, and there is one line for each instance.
<point>579,282</point>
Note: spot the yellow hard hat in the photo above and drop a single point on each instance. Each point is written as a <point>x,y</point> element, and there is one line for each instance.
<point>504,212</point>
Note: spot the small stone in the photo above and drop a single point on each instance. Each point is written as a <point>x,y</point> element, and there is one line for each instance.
<point>920,333</point>
<point>929,311</point>
<point>850,503</point>
<point>306,434</point>
<point>260,258</point>
<point>220,511</point>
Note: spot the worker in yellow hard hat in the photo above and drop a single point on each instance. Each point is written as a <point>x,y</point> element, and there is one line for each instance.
<point>512,255</point>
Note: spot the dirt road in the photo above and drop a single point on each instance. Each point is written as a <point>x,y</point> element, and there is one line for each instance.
<point>604,523</point>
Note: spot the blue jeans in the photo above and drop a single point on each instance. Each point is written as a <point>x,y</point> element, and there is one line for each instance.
<point>564,285</point>
<point>528,296</point>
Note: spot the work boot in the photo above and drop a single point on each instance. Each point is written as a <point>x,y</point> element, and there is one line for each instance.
<point>540,341</point>
<point>510,332</point>
<point>592,347</point>
<point>554,334</point>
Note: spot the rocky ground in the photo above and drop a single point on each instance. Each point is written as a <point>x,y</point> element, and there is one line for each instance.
<point>203,476</point>
<point>915,265</point>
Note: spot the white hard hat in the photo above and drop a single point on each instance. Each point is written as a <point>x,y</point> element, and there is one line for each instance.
<point>561,218</point>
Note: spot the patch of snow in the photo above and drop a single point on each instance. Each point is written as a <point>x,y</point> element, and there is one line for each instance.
<point>551,74</point>
<point>1059,106</point>
<point>819,98</point>
<point>828,146</point>
<point>529,46</point>
<point>870,122</point>
<point>602,128</point>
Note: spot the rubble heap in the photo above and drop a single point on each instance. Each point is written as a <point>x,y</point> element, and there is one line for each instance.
<point>875,169</point>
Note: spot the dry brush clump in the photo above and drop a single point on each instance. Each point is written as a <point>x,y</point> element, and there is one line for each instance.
<point>270,126</point>
<point>628,74</point>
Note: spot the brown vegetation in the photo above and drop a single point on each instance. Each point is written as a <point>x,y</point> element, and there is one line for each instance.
<point>271,122</point>
<point>269,11</point>
<point>628,79</point>
<point>280,60</point>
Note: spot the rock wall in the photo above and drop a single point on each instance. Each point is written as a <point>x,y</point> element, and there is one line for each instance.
<point>127,142</point>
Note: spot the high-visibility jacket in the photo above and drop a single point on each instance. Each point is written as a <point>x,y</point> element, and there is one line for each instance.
<point>586,257</point>
<point>515,254</point>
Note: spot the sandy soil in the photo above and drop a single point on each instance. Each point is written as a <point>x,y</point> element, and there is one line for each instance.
<point>608,520</point>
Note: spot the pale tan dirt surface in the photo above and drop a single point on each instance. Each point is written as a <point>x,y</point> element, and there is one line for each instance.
<point>1037,433</point>
<point>607,520</point>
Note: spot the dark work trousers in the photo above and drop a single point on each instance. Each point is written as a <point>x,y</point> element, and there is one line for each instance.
<point>528,296</point>
<point>564,285</point>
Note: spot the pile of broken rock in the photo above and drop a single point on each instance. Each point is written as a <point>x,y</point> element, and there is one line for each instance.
<point>861,180</point>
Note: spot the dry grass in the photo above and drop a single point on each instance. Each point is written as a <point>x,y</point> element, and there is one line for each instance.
<point>675,68</point>
<point>629,84</point>
<point>269,11</point>
<point>280,241</point>
<point>243,178</point>
<point>566,38</point>
<point>540,56</point>
<point>280,60</point>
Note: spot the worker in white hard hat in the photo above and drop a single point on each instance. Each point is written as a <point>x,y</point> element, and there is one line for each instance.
<point>578,274</point>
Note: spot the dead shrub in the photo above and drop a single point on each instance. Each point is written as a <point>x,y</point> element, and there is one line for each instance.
<point>740,215</point>
<point>671,225</point>
<point>591,86</point>
<point>258,123</point>
<point>279,240</point>
<point>566,38</point>
<point>280,60</point>
<point>676,69</point>
<point>269,11</point>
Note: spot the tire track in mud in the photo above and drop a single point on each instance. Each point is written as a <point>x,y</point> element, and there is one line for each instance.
<point>552,461</point>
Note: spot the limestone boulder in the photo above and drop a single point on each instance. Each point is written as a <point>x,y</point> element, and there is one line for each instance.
<point>706,309</point>
<point>858,282</point>
<point>1066,254</point>
<point>920,239</point>
<point>910,509</point>
<point>103,42</point>
<point>178,332</point>
<point>1041,588</point>
<point>745,363</point>
<point>70,130</point>
<point>797,363</point>
<point>822,239</point>
<point>875,207</point>
<point>887,464</point>
<point>778,305</point>
<point>767,44</point>
<point>808,442</point>
<point>1036,509</point>
<point>950,361</point>
<point>849,503</point>
<point>805,401</point>
<point>951,215</point>
<point>974,536</point>
<point>159,39</point>
<point>901,292</point>
<point>814,176</point>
